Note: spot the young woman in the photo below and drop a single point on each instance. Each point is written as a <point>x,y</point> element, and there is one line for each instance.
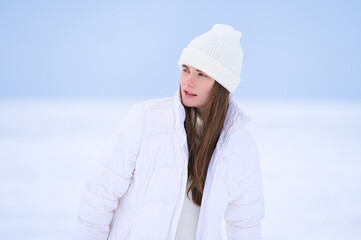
<point>177,166</point>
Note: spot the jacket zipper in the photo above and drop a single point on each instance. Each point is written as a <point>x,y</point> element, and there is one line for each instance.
<point>185,159</point>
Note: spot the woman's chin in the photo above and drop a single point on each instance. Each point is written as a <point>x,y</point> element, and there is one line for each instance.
<point>188,104</point>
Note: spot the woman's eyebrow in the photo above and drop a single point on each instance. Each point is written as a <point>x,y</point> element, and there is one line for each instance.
<point>202,72</point>
<point>185,66</point>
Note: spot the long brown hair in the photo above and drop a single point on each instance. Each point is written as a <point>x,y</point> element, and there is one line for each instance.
<point>200,154</point>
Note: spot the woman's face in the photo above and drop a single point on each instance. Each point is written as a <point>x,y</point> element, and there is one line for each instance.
<point>195,87</point>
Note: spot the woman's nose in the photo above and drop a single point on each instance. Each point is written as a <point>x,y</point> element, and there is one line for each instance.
<point>189,80</point>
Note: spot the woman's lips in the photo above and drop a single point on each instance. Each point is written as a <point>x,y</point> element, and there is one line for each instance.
<point>189,94</point>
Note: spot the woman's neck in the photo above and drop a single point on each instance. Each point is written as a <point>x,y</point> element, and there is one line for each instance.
<point>200,112</point>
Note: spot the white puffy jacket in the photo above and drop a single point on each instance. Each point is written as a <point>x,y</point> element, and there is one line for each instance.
<point>138,187</point>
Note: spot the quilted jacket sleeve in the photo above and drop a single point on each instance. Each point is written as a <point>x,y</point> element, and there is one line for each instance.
<point>246,207</point>
<point>110,178</point>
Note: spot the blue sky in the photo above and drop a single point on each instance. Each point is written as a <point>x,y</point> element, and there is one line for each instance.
<point>119,49</point>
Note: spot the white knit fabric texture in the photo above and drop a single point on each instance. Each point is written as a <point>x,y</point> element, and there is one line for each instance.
<point>218,53</point>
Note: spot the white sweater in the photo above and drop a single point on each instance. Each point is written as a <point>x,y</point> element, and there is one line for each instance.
<point>187,224</point>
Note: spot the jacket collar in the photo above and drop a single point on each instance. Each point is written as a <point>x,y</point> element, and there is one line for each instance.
<point>235,117</point>
<point>179,109</point>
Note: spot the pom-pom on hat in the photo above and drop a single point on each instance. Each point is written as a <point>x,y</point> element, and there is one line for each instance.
<point>218,53</point>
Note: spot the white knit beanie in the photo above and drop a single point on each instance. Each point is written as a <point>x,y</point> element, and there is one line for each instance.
<point>217,53</point>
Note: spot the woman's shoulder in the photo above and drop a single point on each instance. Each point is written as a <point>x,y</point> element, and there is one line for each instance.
<point>236,119</point>
<point>156,113</point>
<point>145,118</point>
<point>239,138</point>
<point>142,108</point>
<point>241,152</point>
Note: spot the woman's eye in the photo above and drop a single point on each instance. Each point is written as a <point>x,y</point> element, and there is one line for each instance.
<point>185,70</point>
<point>202,75</point>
